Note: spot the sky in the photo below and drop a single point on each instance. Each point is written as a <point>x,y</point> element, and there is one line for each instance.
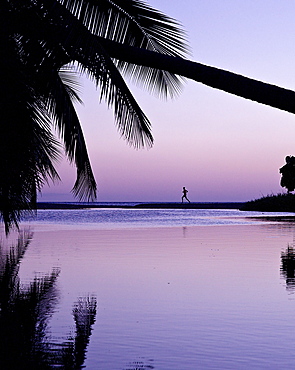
<point>219,146</point>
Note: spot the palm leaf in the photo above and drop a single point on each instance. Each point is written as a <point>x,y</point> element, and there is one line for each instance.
<point>27,147</point>
<point>60,89</point>
<point>81,46</point>
<point>135,23</point>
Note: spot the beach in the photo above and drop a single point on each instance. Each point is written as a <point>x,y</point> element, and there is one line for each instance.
<point>177,297</point>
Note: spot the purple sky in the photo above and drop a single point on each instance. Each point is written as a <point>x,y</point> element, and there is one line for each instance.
<point>221,147</point>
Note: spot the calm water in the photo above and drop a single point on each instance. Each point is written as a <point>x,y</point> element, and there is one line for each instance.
<point>159,289</point>
<point>125,218</point>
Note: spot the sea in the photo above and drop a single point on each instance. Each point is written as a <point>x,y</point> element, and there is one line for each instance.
<point>126,214</point>
<point>126,288</point>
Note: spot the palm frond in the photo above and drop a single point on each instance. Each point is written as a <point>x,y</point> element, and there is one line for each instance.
<point>79,44</point>
<point>69,78</point>
<point>27,147</point>
<point>132,22</point>
<point>135,23</point>
<point>60,89</point>
<point>94,61</point>
<point>131,122</point>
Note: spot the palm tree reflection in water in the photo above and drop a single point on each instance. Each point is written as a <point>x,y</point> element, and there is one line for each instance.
<point>24,313</point>
<point>288,267</point>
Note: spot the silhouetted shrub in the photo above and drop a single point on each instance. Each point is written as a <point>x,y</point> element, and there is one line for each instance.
<point>271,203</point>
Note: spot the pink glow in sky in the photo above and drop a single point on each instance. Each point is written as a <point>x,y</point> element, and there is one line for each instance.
<point>221,147</point>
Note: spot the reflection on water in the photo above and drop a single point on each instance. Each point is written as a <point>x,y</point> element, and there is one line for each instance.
<point>177,298</point>
<point>141,365</point>
<point>25,341</point>
<point>84,312</point>
<point>288,267</point>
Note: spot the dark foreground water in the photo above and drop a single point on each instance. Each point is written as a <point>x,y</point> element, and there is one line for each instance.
<point>148,289</point>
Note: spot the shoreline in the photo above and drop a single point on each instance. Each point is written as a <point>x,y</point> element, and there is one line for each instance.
<point>156,205</point>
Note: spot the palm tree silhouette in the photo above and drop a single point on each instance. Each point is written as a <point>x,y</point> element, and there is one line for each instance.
<point>43,40</point>
<point>39,38</point>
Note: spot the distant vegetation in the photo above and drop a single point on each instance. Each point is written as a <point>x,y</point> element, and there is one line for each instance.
<point>271,203</point>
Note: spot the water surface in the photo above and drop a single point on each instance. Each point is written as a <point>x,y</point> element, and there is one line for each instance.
<point>175,289</point>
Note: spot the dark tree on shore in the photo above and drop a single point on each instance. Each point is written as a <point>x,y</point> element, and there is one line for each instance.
<point>43,40</point>
<point>288,174</point>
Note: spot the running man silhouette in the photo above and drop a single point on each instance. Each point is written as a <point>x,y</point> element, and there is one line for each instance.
<point>184,191</point>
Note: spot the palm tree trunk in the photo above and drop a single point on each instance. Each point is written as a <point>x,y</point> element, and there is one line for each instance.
<point>261,92</point>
